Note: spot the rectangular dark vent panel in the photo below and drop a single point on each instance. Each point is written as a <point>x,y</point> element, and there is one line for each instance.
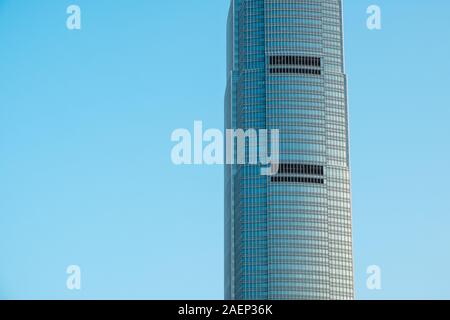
<point>298,180</point>
<point>295,71</point>
<point>295,65</point>
<point>300,173</point>
<point>295,61</point>
<point>294,168</point>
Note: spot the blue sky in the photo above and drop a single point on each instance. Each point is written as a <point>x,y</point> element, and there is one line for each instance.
<point>86,176</point>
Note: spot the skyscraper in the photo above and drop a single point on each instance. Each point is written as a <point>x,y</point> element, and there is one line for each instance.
<point>289,236</point>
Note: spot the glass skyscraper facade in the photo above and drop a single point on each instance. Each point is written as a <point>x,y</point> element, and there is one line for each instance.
<point>289,236</point>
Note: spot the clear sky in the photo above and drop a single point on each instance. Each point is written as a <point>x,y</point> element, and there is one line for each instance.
<point>86,176</point>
